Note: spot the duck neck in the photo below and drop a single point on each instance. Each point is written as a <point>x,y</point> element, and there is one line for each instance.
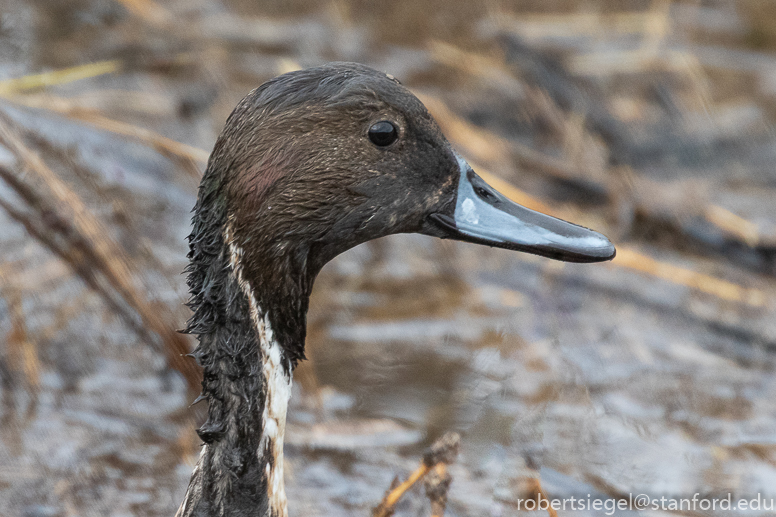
<point>249,342</point>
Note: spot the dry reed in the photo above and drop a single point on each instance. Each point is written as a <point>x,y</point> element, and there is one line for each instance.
<point>61,221</point>
<point>442,452</point>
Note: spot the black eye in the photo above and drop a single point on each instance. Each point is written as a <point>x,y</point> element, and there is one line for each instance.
<point>383,133</point>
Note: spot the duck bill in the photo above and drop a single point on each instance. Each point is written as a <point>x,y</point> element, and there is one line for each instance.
<point>485,216</point>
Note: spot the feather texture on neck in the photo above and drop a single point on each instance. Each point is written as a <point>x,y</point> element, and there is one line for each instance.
<point>247,377</point>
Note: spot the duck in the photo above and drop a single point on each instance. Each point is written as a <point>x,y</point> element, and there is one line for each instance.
<point>308,165</point>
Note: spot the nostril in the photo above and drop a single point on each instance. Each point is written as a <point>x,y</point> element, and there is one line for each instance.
<point>484,193</point>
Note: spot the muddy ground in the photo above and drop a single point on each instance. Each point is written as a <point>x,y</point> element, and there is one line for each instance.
<point>650,121</point>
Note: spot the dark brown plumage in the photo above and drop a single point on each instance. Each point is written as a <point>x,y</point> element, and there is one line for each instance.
<point>296,178</point>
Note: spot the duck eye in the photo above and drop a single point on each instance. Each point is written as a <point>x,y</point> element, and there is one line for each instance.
<point>383,133</point>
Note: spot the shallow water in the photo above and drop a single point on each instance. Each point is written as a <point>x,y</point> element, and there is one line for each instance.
<point>601,380</point>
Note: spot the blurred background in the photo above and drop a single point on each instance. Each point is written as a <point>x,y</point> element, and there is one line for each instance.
<point>651,121</point>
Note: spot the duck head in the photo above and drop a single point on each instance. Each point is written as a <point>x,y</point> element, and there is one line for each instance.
<point>309,165</point>
<point>317,161</point>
